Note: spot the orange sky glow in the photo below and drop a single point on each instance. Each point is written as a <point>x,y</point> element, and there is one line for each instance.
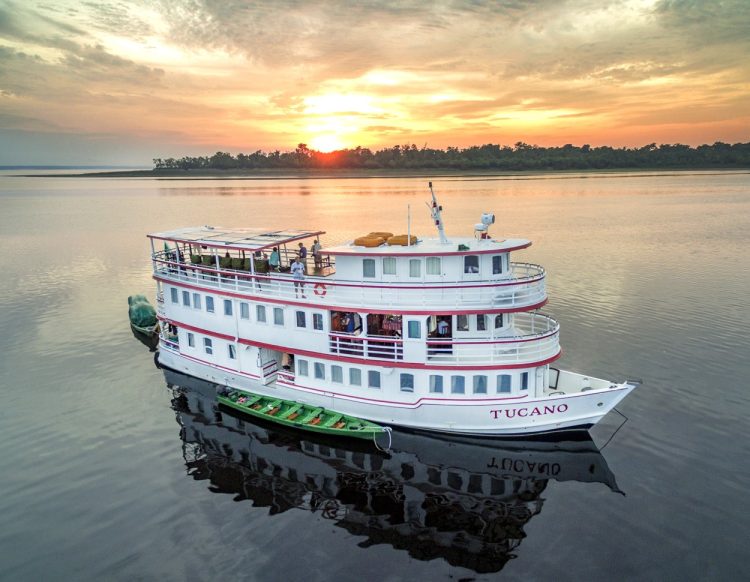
<point>124,82</point>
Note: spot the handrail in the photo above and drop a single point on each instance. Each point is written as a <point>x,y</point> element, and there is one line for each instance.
<point>539,275</point>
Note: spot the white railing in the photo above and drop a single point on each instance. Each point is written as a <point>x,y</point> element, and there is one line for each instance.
<point>526,288</point>
<point>377,348</point>
<point>537,338</point>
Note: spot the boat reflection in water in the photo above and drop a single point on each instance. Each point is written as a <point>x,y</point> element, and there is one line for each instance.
<point>465,501</point>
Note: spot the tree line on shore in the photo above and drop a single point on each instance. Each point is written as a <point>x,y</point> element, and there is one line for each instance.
<point>520,156</point>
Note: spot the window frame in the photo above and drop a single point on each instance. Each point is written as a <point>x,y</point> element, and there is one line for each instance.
<point>210,306</point>
<point>406,382</point>
<point>260,314</point>
<point>468,269</point>
<point>208,346</point>
<point>278,316</point>
<point>435,386</point>
<point>456,384</point>
<point>365,270</point>
<point>373,375</point>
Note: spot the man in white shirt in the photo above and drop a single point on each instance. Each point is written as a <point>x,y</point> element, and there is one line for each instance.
<point>298,273</point>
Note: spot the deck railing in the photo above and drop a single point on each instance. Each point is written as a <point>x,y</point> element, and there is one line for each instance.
<point>536,338</point>
<point>525,288</point>
<point>366,347</point>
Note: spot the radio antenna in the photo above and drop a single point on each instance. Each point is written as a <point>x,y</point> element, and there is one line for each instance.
<point>436,213</point>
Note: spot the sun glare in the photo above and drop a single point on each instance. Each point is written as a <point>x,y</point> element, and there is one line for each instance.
<point>326,143</point>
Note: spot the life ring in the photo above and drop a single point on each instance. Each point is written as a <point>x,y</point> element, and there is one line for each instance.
<point>320,289</point>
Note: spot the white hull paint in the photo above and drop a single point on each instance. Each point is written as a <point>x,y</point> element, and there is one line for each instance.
<point>486,417</point>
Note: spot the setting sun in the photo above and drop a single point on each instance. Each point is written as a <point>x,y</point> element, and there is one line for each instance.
<point>326,143</point>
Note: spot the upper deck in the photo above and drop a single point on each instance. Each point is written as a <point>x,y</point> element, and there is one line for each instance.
<point>464,274</point>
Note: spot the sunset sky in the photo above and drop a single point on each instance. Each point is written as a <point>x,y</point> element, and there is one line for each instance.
<point>123,82</point>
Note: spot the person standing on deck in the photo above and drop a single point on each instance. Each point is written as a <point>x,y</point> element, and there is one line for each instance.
<point>274,261</point>
<point>298,272</point>
<point>303,254</point>
<point>317,257</point>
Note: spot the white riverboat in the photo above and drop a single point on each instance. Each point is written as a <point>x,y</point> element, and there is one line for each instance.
<point>436,334</point>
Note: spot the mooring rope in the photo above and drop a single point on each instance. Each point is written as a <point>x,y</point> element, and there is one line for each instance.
<point>387,430</point>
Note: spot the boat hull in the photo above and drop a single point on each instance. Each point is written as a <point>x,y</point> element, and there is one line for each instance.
<point>468,416</point>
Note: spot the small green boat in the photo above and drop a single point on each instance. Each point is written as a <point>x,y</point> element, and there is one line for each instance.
<point>297,415</point>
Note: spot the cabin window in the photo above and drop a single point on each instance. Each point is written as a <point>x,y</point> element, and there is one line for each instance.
<point>337,374</point>
<point>208,345</point>
<point>209,304</point>
<point>481,322</point>
<point>355,376</point>
<point>302,367</point>
<point>175,294</point>
<point>389,266</point>
<point>227,307</point>
<point>462,323</point>
<point>497,264</point>
<point>458,384</point>
<point>480,384</point>
<point>368,268</point>
<point>373,379</point>
<point>244,310</point>
<point>432,266</point>
<point>415,331</point>
<point>525,381</point>
<point>232,352</point>
<point>407,382</point>
<point>471,264</point>
<point>318,321</point>
<point>278,316</point>
<point>301,320</point>
<point>260,313</point>
<point>415,267</point>
<point>191,340</point>
<point>320,371</point>
<point>196,300</point>
<point>186,298</point>
<point>436,384</point>
<point>498,321</point>
<point>503,384</point>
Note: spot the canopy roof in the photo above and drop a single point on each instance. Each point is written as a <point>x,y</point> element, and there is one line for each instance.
<point>246,239</point>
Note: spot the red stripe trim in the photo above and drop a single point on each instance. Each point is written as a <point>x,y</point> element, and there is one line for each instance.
<point>360,361</point>
<point>212,365</point>
<point>435,254</point>
<point>265,299</point>
<point>416,404</point>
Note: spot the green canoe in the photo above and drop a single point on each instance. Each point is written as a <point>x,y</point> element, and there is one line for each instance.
<point>297,415</point>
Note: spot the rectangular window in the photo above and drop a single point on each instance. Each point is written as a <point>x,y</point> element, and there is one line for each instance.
<point>471,264</point>
<point>186,298</point>
<point>503,383</point>
<point>373,379</point>
<point>480,384</point>
<point>525,381</point>
<point>337,374</point>
<point>208,345</point>
<point>497,264</point>
<point>415,267</point>
<point>175,294</point>
<point>407,382</point>
<point>462,323</point>
<point>260,313</point>
<point>432,266</point>
<point>320,371</point>
<point>498,321</point>
<point>196,300</point>
<point>245,310</point>
<point>436,384</point>
<point>389,266</point>
<point>301,320</point>
<point>232,352</point>
<point>191,340</point>
<point>355,376</point>
<point>318,321</point>
<point>209,304</point>
<point>458,384</point>
<point>368,268</point>
<point>302,367</point>
<point>415,330</point>
<point>278,316</point>
<point>227,307</point>
<point>481,322</point>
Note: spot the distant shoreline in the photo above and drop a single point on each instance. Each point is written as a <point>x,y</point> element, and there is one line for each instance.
<point>320,174</point>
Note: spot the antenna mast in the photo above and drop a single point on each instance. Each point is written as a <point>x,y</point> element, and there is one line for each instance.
<point>435,211</point>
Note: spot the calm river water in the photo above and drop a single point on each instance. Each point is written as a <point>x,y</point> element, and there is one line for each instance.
<point>112,470</point>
